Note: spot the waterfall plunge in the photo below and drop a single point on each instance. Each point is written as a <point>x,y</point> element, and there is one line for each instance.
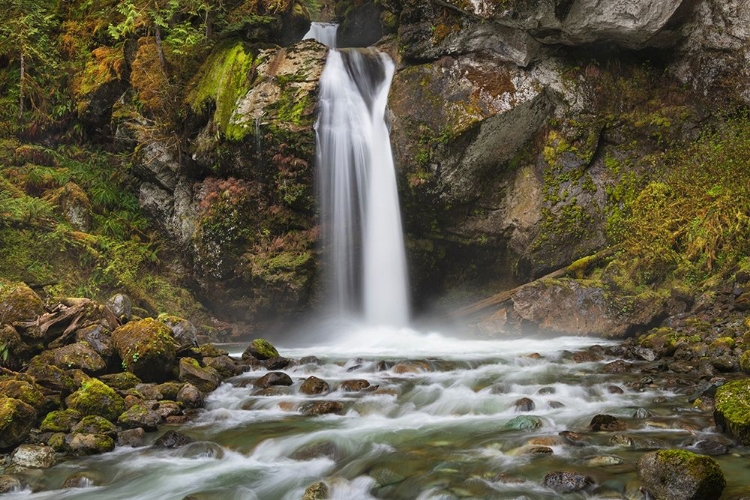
<point>359,201</point>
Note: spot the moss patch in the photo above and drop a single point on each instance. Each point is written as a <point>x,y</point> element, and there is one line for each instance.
<point>732,409</point>
<point>96,398</point>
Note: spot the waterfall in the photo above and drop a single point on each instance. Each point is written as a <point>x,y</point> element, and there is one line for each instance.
<point>361,219</point>
<point>325,33</point>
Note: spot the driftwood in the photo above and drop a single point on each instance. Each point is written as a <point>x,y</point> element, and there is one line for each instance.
<point>578,268</point>
<point>58,326</point>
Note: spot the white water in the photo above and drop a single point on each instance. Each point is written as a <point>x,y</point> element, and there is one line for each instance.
<point>362,232</point>
<point>325,33</point>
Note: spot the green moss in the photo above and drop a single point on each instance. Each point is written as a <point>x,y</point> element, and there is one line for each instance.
<point>94,424</point>
<point>264,349</point>
<point>121,381</point>
<point>96,398</point>
<point>732,404</point>
<point>146,348</point>
<point>18,302</point>
<point>25,392</point>
<point>60,421</point>
<point>704,469</point>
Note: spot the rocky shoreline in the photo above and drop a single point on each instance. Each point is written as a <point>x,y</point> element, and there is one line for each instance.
<point>81,378</point>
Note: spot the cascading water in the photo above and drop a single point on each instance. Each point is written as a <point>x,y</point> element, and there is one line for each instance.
<point>359,201</point>
<point>325,33</point>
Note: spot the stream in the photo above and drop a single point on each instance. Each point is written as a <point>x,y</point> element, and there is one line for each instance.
<point>442,423</point>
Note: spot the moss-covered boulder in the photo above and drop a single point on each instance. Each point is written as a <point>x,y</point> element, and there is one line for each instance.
<point>681,475</point>
<point>121,381</point>
<point>17,352</point>
<point>139,416</point>
<point>94,424</point>
<point>260,349</point>
<point>16,420</point>
<point>79,356</point>
<point>60,421</point>
<point>18,302</point>
<point>99,338</point>
<point>51,376</point>
<point>183,331</point>
<point>96,398</point>
<point>88,444</point>
<point>170,390</point>
<point>26,392</point>
<point>745,362</point>
<point>732,409</point>
<point>146,348</point>
<point>205,379</point>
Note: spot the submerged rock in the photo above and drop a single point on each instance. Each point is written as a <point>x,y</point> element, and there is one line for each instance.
<point>567,481</point>
<point>81,480</point>
<point>354,385</point>
<point>172,439</point>
<point>524,422</point>
<point>322,408</point>
<point>681,475</point>
<point>317,491</point>
<point>524,405</point>
<point>9,483</point>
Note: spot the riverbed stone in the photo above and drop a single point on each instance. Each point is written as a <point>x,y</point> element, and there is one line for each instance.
<point>567,481</point>
<point>273,378</point>
<point>94,424</point>
<point>190,397</point>
<point>732,409</point>
<point>681,475</point>
<point>710,447</point>
<point>524,422</point>
<point>96,398</point>
<point>16,420</point>
<point>313,385</point>
<point>322,408</point>
<point>83,479</point>
<point>131,437</point>
<point>172,439</point>
<point>88,444</point>
<point>606,423</point>
<point>316,491</point>
<point>524,405</point>
<point>33,456</point>
<point>354,385</point>
<point>205,379</point>
<point>139,416</point>
<point>9,483</point>
<point>260,349</point>
<point>146,348</point>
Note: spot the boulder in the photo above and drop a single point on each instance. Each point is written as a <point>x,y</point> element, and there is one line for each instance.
<point>26,392</point>
<point>260,349</point>
<point>88,444</point>
<point>354,385</point>
<point>316,491</point>
<point>79,356</point>
<point>17,351</point>
<point>9,484</point>
<point>523,423</point>
<point>172,439</point>
<point>322,408</point>
<point>16,420</point>
<point>190,397</point>
<point>567,481</point>
<point>60,421</point>
<point>146,348</point>
<point>19,303</point>
<point>524,405</point>
<point>314,385</point>
<point>183,331</point>
<point>131,437</point>
<point>121,306</point>
<point>96,398</point>
<point>121,381</point>
<point>99,337</point>
<point>205,379</point>
<point>94,424</point>
<point>681,475</point>
<point>139,416</point>
<point>170,390</point>
<point>606,423</point>
<point>33,456</point>
<point>732,409</point>
<point>273,378</point>
<point>225,365</point>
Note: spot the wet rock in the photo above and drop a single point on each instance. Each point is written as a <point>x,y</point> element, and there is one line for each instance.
<point>260,349</point>
<point>9,484</point>
<point>172,439</point>
<point>710,447</point>
<point>314,385</point>
<point>539,450</point>
<point>317,450</point>
<point>121,381</point>
<point>81,480</point>
<point>642,413</point>
<point>680,475</point>
<point>224,365</point>
<point>555,405</point>
<point>386,476</point>
<point>567,482</point>
<point>546,390</point>
<point>613,389</point>
<point>96,398</point>
<point>93,424</point>
<point>586,357</point>
<point>168,409</point>
<point>121,306</point>
<point>205,379</point>
<point>139,416</point>
<point>277,363</point>
<point>732,409</point>
<point>645,353</point>
<point>317,491</point>
<point>524,423</point>
<point>524,405</point>
<point>131,437</point>
<point>146,348</point>
<point>183,331</point>
<point>603,461</point>
<point>606,423</point>
<point>88,444</point>
<point>573,438</point>
<point>354,385</point>
<point>33,456</point>
<point>60,420</point>
<point>706,390</point>
<point>411,366</point>
<point>618,366</point>
<point>273,378</point>
<point>309,360</point>
<point>322,408</point>
<point>190,397</point>
<point>16,420</point>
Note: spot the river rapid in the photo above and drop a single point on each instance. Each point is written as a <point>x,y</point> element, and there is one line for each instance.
<point>439,421</point>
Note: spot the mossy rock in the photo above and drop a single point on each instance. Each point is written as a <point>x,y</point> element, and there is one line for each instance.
<point>88,444</point>
<point>16,420</point>
<point>170,390</point>
<point>260,349</point>
<point>96,398</point>
<point>51,376</point>
<point>732,409</point>
<point>146,348</point>
<point>745,362</point>
<point>74,356</point>
<point>26,392</point>
<point>18,302</point>
<point>94,424</point>
<point>139,416</point>
<point>18,351</point>
<point>183,331</point>
<point>681,475</point>
<point>121,381</point>
<point>60,421</point>
<point>205,379</point>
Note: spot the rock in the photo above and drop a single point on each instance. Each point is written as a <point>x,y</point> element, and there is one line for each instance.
<point>710,447</point>
<point>60,421</point>
<point>546,390</point>
<point>555,405</point>
<point>606,423</point>
<point>183,331</point>
<point>26,392</point>
<point>603,461</point>
<point>618,366</point>
<point>169,390</point>
<point>642,413</point>
<point>9,484</point>
<point>149,391</point>
<point>19,303</point>
<point>278,363</point>
<point>732,409</point>
<point>205,379</point>
<point>17,350</point>
<point>99,338</point>
<point>309,360</point>
<point>524,423</point>
<point>172,439</point>
<point>96,398</point>
<point>645,353</point>
<point>88,444</point>
<point>260,349</point>
<point>75,356</point>
<point>139,416</point>
<point>93,424</point>
<point>33,456</point>
<point>317,450</point>
<point>224,365</point>
<point>586,357</point>
<point>190,397</point>
<point>131,437</point>
<point>273,378</point>
<point>16,420</point>
<point>81,480</point>
<point>706,390</point>
<point>322,408</point>
<point>354,385</point>
<point>613,389</point>
<point>314,385</point>
<point>745,362</point>
<point>121,306</point>
<point>411,366</point>
<point>573,438</point>
<point>168,409</point>
<point>680,475</point>
<point>121,381</point>
<point>524,405</point>
<point>567,482</point>
<point>317,491</point>
<point>146,348</point>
